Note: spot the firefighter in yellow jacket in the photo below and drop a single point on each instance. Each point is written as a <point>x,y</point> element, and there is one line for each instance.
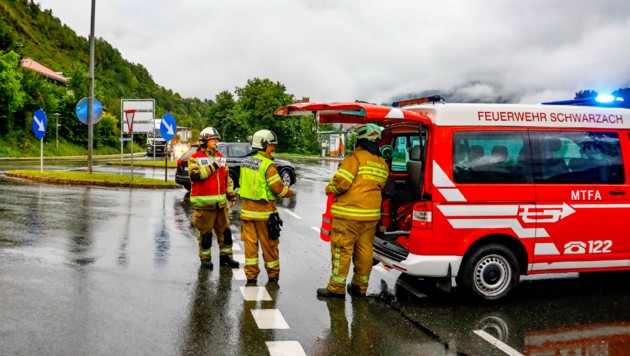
<point>260,187</point>
<point>356,210</point>
<point>211,191</point>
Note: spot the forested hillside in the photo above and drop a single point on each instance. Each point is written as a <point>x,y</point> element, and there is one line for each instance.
<point>28,32</point>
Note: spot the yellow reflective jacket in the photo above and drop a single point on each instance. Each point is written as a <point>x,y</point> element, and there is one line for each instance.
<point>357,185</point>
<point>260,170</point>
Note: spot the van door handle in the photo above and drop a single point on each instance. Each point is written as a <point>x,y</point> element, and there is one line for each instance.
<point>617,192</point>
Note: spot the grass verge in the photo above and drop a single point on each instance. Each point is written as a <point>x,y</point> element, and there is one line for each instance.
<point>156,164</point>
<point>98,179</point>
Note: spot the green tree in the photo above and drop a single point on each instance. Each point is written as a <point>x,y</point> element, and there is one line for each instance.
<point>12,96</point>
<point>223,115</point>
<point>107,131</point>
<point>7,36</point>
<point>235,127</point>
<point>260,98</point>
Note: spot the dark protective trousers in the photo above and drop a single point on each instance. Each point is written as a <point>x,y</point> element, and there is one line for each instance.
<point>351,241</point>
<point>254,232</point>
<point>206,221</point>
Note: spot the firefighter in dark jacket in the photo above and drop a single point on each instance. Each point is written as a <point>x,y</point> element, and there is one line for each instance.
<point>260,187</point>
<point>356,211</point>
<point>211,191</point>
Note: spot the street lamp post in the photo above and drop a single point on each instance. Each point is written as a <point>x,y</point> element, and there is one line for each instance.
<point>56,115</point>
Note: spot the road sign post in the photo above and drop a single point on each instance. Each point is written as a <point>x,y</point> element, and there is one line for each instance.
<point>39,128</point>
<point>129,114</point>
<point>168,128</point>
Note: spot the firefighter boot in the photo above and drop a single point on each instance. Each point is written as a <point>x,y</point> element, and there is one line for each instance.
<point>324,292</point>
<point>206,264</point>
<point>228,261</point>
<point>355,291</point>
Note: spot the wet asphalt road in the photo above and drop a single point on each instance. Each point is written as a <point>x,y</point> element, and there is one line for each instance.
<point>95,271</point>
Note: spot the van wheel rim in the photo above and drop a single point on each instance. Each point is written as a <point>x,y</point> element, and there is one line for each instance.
<point>492,275</point>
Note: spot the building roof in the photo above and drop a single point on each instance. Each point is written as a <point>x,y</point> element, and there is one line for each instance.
<point>32,65</point>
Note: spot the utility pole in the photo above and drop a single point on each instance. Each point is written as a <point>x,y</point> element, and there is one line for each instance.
<point>56,115</point>
<point>90,103</point>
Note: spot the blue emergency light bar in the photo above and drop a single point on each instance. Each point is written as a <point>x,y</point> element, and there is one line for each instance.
<point>607,101</point>
<point>426,99</point>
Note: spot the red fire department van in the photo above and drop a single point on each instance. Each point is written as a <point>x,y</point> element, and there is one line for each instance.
<point>486,193</point>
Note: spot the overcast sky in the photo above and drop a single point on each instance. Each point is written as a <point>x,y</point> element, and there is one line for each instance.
<point>373,50</point>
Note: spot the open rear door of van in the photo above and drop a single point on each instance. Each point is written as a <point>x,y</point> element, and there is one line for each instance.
<point>353,113</point>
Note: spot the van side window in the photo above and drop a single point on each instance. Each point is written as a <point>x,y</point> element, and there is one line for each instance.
<point>402,149</point>
<point>491,157</point>
<point>580,157</point>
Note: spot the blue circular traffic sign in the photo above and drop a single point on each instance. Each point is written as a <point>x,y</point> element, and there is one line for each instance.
<point>39,123</point>
<point>168,127</point>
<point>82,110</point>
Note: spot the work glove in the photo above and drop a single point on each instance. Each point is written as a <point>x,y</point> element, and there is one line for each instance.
<point>221,161</point>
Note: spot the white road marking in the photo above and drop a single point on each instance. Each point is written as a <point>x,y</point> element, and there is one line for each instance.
<point>497,343</point>
<point>316,229</point>
<point>292,213</point>
<point>255,293</point>
<point>239,274</point>
<point>285,348</point>
<point>269,319</point>
<point>236,247</point>
<point>240,258</point>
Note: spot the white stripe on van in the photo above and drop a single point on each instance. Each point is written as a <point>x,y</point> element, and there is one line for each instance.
<point>578,264</point>
<point>440,179</point>
<point>452,194</point>
<point>513,224</point>
<point>479,210</point>
<point>545,249</point>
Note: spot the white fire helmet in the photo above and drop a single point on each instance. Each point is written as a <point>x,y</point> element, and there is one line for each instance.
<point>262,138</point>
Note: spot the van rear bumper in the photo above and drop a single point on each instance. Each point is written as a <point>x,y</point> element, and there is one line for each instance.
<point>415,265</point>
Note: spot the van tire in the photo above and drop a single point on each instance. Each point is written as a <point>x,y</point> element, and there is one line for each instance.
<point>489,273</point>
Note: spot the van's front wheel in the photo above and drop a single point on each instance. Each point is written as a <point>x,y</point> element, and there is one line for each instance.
<point>489,273</point>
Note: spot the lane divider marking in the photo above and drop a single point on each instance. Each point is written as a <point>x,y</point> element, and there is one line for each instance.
<point>266,318</point>
<point>238,274</point>
<point>292,213</point>
<point>269,319</point>
<point>497,343</point>
<point>240,258</point>
<point>282,348</point>
<point>255,293</point>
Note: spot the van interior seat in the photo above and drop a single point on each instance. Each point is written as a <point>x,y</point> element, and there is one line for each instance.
<point>554,167</point>
<point>476,153</point>
<point>414,172</point>
<point>459,153</point>
<point>499,154</point>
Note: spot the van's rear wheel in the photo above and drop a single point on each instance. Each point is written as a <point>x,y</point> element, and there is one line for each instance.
<point>489,273</point>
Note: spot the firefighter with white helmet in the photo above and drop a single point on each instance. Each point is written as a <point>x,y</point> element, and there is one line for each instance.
<point>260,187</point>
<point>211,191</point>
<point>356,211</point>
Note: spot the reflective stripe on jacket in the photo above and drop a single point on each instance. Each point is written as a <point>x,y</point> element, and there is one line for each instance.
<point>214,185</point>
<point>357,185</point>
